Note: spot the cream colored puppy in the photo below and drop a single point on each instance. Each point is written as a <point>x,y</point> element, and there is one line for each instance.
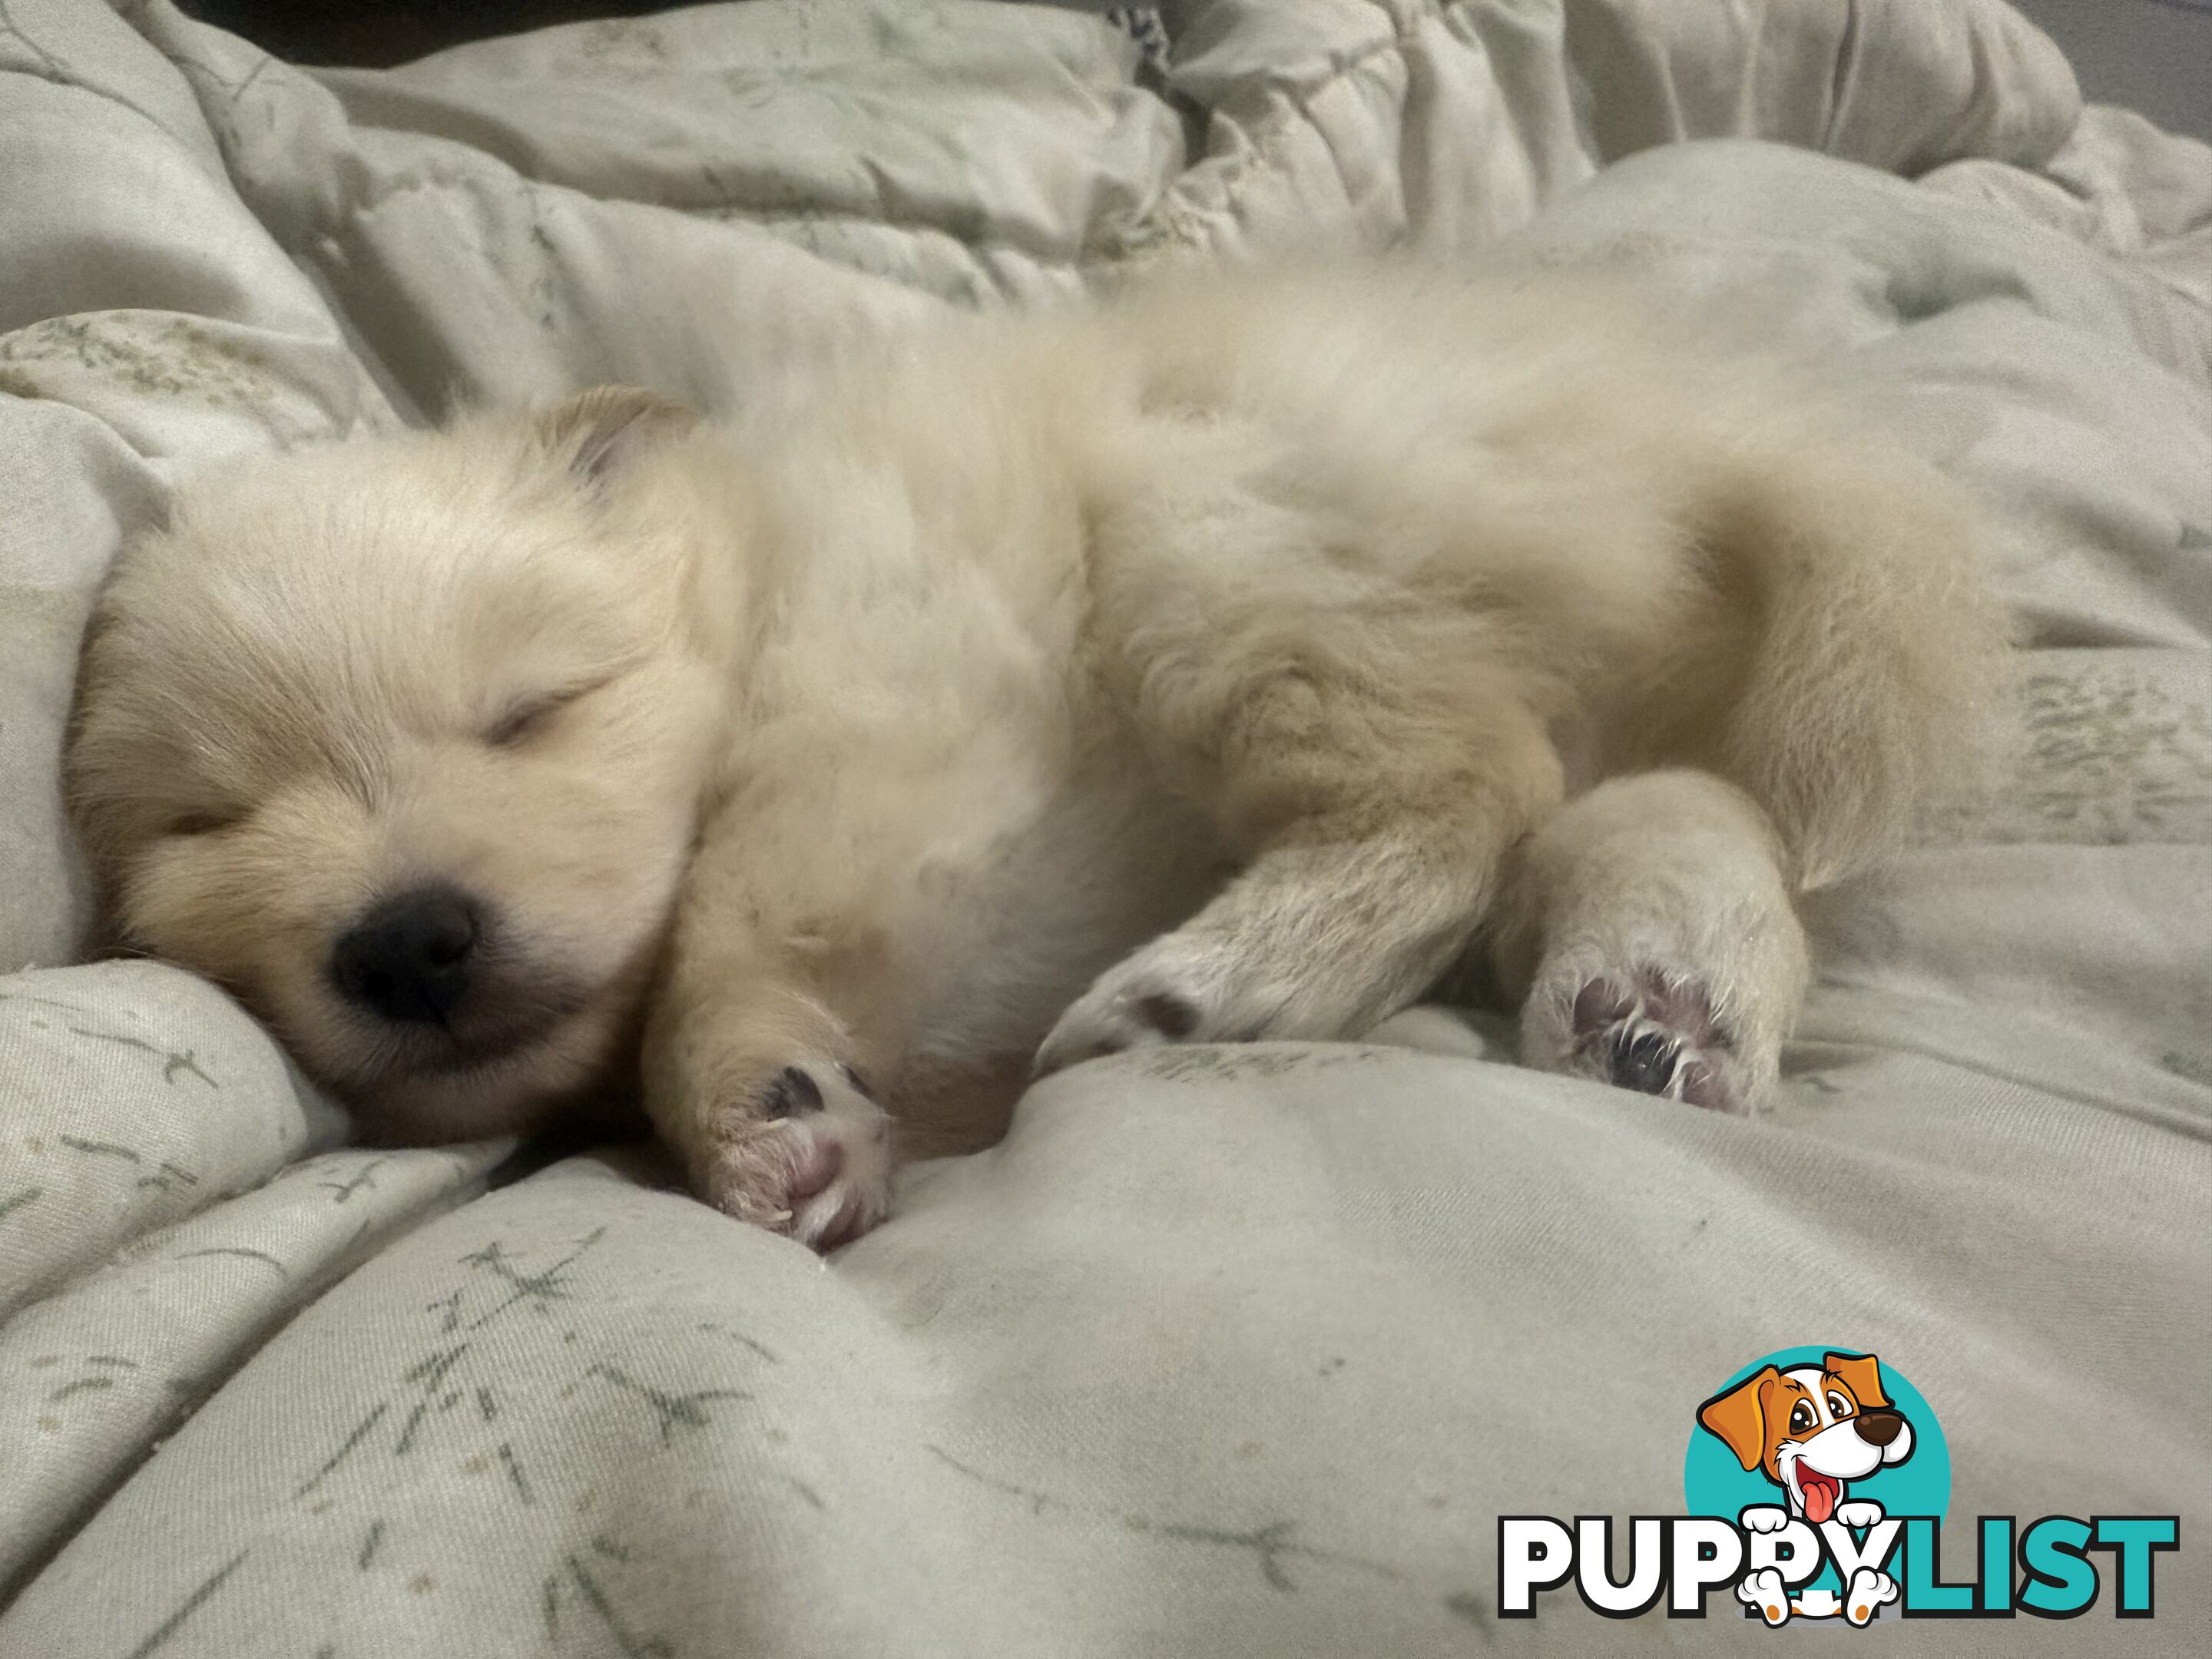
<point>1219,664</point>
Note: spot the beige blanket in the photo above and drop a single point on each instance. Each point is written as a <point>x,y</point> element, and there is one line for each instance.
<point>1222,1353</point>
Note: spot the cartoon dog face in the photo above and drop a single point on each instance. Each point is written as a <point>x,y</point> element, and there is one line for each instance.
<point>1811,1429</point>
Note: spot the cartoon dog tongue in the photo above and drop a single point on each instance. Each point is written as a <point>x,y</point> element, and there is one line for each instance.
<point>1820,1495</point>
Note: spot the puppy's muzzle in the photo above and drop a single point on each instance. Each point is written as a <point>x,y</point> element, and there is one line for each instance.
<point>408,960</point>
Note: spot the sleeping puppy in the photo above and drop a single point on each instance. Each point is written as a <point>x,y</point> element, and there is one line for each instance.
<point>1229,662</point>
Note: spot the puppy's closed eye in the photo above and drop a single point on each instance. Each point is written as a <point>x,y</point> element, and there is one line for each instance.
<point>525,719</point>
<point>208,822</point>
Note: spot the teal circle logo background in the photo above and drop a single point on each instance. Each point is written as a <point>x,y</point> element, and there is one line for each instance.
<point>1714,1482</point>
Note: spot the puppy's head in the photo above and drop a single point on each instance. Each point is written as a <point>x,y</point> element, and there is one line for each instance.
<point>1811,1429</point>
<point>402,742</point>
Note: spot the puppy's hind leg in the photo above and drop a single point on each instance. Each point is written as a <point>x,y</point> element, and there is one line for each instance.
<point>1367,748</point>
<point>1378,852</point>
<point>1648,927</point>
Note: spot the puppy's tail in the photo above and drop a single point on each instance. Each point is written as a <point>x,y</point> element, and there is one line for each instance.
<point>1874,679</point>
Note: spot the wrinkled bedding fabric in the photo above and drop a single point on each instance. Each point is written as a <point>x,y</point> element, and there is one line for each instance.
<point>1221,1353</point>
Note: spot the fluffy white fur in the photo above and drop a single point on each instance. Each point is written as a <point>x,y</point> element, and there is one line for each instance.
<point>1212,666</point>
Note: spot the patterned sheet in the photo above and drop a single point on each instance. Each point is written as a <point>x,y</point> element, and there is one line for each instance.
<point>1220,1352</point>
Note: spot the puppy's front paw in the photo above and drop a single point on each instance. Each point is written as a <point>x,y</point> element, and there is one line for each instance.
<point>1764,1590</point>
<point>1157,996</point>
<point>1868,1590</point>
<point>1764,1518</point>
<point>805,1151</point>
<point>1859,1512</point>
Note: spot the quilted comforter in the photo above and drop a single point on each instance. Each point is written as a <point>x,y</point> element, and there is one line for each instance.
<point>1221,1352</point>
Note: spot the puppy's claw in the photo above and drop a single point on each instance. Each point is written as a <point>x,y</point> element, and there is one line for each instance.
<point>831,1221</point>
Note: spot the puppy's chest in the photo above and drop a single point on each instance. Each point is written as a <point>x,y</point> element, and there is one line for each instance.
<point>949,780</point>
<point>1063,881</point>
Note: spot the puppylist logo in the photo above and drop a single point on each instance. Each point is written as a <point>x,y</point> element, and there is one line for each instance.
<point>1817,1483</point>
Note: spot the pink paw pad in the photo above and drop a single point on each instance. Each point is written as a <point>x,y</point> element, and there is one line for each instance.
<point>810,1157</point>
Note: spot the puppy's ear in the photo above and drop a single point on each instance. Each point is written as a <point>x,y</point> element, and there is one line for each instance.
<point>1862,1375</point>
<point>596,434</point>
<point>1739,1417</point>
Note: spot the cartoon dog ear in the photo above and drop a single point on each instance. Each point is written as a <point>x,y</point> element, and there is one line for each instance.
<point>1862,1375</point>
<point>1739,1417</point>
<point>597,433</point>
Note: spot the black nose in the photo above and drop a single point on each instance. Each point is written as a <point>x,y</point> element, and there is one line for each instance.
<point>1879,1428</point>
<point>408,959</point>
